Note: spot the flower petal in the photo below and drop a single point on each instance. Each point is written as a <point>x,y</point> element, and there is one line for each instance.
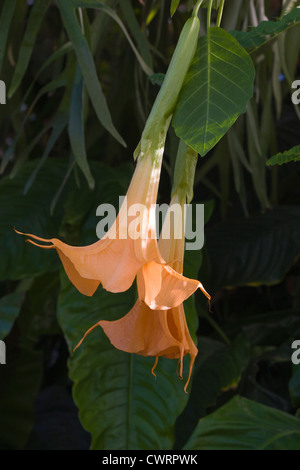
<point>85,286</point>
<point>151,333</point>
<point>143,332</point>
<point>162,288</point>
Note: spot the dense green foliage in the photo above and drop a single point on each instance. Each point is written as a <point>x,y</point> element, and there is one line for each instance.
<point>81,78</point>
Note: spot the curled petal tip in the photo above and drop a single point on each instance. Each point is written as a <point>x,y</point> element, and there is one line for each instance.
<point>85,335</point>
<point>155,364</point>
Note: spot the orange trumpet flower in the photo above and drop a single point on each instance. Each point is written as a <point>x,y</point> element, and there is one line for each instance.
<point>129,246</point>
<point>155,332</point>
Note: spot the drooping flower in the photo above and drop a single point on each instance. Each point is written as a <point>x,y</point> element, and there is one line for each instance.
<point>158,332</point>
<point>115,260</point>
<point>129,246</point>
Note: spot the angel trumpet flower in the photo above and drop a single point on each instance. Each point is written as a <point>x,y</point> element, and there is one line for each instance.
<point>115,260</point>
<point>130,244</point>
<point>156,332</point>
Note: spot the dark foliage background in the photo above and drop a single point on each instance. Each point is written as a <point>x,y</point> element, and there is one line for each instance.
<point>55,171</point>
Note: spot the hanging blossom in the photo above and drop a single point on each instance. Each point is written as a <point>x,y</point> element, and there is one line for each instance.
<point>128,246</point>
<point>157,332</point>
<point>131,243</point>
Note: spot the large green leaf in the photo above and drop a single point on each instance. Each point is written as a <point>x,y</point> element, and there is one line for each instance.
<point>253,251</point>
<point>243,424</point>
<point>266,329</point>
<point>215,92</point>
<point>218,368</point>
<point>120,402</point>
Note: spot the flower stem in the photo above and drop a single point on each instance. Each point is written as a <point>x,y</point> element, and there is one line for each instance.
<point>215,326</point>
<point>220,13</point>
<point>209,8</point>
<point>196,8</point>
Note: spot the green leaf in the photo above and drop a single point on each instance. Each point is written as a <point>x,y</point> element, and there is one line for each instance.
<point>76,128</point>
<point>5,20</point>
<point>109,11</point>
<point>253,251</point>
<point>293,154</point>
<point>266,31</point>
<point>88,68</point>
<point>9,310</point>
<point>65,49</point>
<point>256,157</point>
<point>120,402</point>
<point>139,36</point>
<point>243,424</point>
<point>218,368</point>
<point>215,92</point>
<point>174,6</point>
<point>157,78</point>
<point>267,328</point>
<point>33,25</point>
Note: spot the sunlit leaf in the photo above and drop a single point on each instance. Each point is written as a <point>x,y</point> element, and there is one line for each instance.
<point>215,92</point>
<point>266,31</point>
<point>291,155</point>
<point>174,6</point>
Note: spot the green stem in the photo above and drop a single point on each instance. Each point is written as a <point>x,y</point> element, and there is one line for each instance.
<point>215,326</point>
<point>196,8</point>
<point>209,8</point>
<point>184,171</point>
<point>220,13</point>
